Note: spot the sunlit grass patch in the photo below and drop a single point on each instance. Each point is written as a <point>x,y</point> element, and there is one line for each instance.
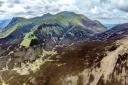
<point>34,66</point>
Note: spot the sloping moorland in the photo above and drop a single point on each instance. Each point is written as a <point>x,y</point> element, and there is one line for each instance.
<point>62,50</point>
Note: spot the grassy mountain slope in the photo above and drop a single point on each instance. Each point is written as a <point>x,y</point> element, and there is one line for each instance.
<point>64,25</point>
<point>13,25</point>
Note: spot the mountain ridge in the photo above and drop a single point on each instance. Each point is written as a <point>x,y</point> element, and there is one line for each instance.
<point>113,33</point>
<point>19,27</point>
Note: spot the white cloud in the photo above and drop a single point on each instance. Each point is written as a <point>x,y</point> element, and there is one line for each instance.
<point>94,9</point>
<point>120,4</point>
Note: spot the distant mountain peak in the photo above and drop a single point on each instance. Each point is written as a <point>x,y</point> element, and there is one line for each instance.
<point>66,12</point>
<point>47,15</point>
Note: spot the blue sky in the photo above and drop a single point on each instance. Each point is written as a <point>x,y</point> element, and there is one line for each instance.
<point>106,11</point>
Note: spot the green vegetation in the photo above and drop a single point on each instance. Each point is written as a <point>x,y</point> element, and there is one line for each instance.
<point>6,33</point>
<point>46,31</point>
<point>27,39</point>
<point>13,27</point>
<point>63,20</point>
